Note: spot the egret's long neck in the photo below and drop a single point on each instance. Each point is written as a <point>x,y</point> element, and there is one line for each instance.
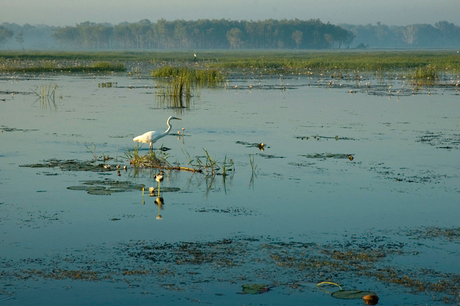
<point>169,126</point>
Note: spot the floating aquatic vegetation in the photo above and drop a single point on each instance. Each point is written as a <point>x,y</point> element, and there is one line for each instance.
<point>364,259</point>
<point>324,156</point>
<point>73,165</point>
<point>440,140</point>
<point>107,85</point>
<point>235,211</point>
<point>434,232</point>
<point>351,294</point>
<point>407,175</point>
<point>255,288</point>
<point>268,156</point>
<point>106,186</point>
<point>296,164</point>
<point>4,128</point>
<point>318,137</point>
<point>260,145</point>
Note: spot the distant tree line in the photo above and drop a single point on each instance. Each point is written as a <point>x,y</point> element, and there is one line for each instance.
<point>442,35</point>
<point>199,34</point>
<point>227,34</point>
<point>204,34</point>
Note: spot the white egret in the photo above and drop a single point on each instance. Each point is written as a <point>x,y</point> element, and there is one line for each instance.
<point>152,136</point>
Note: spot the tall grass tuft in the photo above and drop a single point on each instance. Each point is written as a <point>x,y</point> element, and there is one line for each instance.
<point>424,76</point>
<point>181,81</point>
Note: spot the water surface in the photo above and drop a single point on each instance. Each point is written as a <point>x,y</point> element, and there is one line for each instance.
<point>401,183</point>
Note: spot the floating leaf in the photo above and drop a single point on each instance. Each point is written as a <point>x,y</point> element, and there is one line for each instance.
<point>98,191</point>
<point>351,294</point>
<point>255,288</point>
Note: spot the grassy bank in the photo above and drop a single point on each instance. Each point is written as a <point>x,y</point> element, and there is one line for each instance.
<point>357,60</point>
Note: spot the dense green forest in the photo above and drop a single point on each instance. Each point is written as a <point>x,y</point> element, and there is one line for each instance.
<point>226,34</point>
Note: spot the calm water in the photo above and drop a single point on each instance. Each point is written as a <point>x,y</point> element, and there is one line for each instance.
<point>403,178</point>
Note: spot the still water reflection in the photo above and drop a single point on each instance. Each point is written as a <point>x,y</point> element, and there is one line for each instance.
<point>300,185</point>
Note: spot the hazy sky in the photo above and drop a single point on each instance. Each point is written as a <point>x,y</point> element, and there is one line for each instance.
<point>71,12</point>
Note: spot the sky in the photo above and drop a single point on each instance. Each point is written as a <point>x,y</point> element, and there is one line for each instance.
<point>72,12</point>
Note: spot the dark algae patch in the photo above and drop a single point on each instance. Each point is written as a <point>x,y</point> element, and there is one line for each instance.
<point>106,186</point>
<point>440,140</point>
<point>73,165</point>
<point>362,264</point>
<point>11,129</point>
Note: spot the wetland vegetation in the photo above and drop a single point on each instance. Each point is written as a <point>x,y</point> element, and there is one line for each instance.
<point>288,60</point>
<point>290,169</point>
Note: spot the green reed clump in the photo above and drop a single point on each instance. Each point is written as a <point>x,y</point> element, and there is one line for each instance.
<point>199,77</point>
<point>210,165</point>
<point>166,72</point>
<point>425,73</point>
<point>182,80</point>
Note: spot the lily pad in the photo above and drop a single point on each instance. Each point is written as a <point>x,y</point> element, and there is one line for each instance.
<point>85,188</point>
<point>255,288</point>
<point>97,191</point>
<point>73,165</point>
<point>107,187</point>
<point>351,294</point>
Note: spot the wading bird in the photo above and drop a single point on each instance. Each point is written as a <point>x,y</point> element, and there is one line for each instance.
<point>152,136</point>
<point>159,178</point>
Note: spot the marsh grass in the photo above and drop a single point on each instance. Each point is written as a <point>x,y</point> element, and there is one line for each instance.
<point>181,82</point>
<point>212,64</point>
<point>340,59</point>
<point>210,165</point>
<point>44,66</point>
<point>159,159</point>
<point>151,160</point>
<point>96,156</point>
<point>424,76</point>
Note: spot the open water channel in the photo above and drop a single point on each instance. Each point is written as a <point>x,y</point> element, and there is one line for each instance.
<point>357,184</point>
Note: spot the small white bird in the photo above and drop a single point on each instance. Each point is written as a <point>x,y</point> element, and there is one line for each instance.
<point>152,136</point>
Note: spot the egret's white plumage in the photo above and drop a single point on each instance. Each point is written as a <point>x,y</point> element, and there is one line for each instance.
<point>152,136</point>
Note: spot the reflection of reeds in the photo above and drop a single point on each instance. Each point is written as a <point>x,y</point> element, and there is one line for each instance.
<point>253,166</point>
<point>254,170</point>
<point>46,95</point>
